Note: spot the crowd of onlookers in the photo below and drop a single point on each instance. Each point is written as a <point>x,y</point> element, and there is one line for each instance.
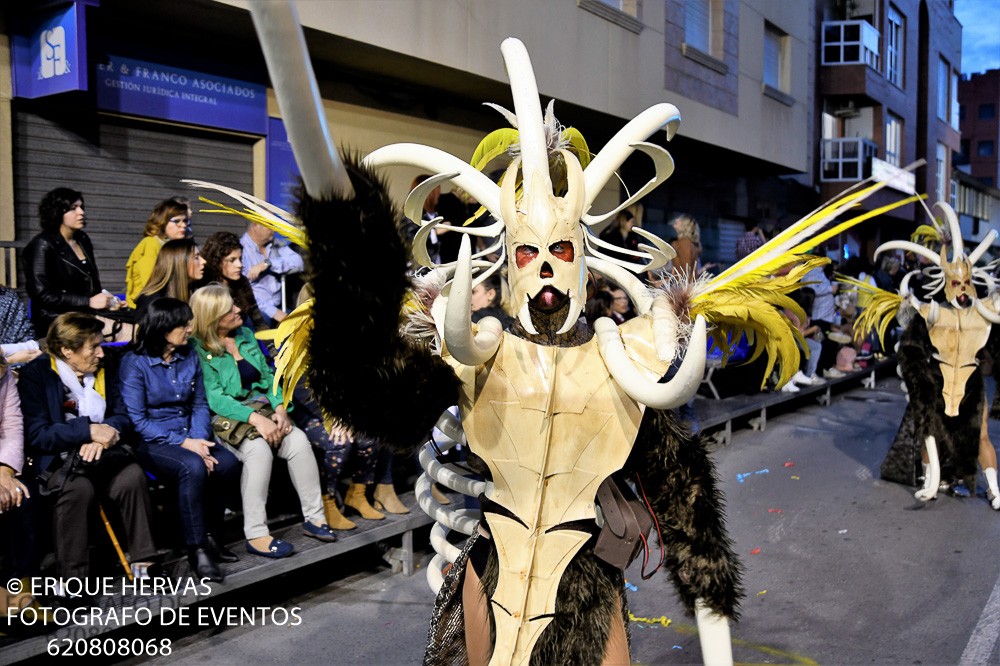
<point>184,401</point>
<point>169,383</point>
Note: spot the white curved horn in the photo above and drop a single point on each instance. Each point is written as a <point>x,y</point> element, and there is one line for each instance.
<point>622,277</point>
<point>527,108</point>
<point>904,284</point>
<point>462,345</point>
<point>957,246</point>
<point>984,245</point>
<point>413,208</point>
<point>986,313</point>
<point>907,246</point>
<point>291,72</point>
<point>478,185</point>
<point>664,165</point>
<point>636,384</point>
<point>605,163</point>
<point>933,313</point>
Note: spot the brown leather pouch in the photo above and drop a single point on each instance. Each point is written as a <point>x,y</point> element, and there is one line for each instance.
<point>627,523</point>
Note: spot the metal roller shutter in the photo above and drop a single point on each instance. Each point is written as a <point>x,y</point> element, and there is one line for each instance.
<point>123,168</point>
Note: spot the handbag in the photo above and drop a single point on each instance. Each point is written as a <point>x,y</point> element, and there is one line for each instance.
<point>232,431</point>
<point>627,523</point>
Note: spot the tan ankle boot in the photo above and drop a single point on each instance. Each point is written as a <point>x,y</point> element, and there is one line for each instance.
<point>386,499</point>
<point>439,496</point>
<point>355,498</point>
<point>334,518</point>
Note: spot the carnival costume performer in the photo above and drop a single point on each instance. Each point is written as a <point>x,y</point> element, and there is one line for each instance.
<point>943,431</point>
<point>554,408</point>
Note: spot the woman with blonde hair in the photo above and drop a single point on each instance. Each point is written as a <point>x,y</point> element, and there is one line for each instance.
<point>168,221</point>
<point>178,265</point>
<point>687,245</point>
<point>238,383</point>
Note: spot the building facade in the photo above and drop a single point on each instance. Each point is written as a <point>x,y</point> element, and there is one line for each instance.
<point>132,124</point>
<point>888,97</point>
<point>784,104</point>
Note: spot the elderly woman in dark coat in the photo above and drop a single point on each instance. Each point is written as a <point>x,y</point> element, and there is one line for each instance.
<point>74,424</point>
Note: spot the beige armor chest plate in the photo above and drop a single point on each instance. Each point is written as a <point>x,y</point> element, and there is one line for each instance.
<point>551,424</point>
<point>957,336</point>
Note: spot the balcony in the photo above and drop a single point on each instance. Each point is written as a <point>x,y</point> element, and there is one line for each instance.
<point>846,160</point>
<point>850,43</point>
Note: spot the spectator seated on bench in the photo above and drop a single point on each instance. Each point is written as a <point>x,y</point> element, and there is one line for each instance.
<point>76,427</point>
<point>165,399</point>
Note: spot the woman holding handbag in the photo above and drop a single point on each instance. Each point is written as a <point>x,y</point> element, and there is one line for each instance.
<point>165,400</point>
<point>250,418</point>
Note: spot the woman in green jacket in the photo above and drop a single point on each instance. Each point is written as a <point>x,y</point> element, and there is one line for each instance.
<point>238,383</point>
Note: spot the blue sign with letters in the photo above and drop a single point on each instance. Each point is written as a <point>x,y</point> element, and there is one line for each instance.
<point>139,88</point>
<point>49,52</point>
<point>282,171</point>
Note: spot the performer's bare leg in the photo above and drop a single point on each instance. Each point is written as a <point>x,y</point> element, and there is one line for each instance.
<point>616,653</point>
<point>988,461</point>
<point>477,618</point>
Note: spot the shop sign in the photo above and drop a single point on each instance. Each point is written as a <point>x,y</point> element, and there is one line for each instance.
<point>49,52</point>
<point>896,178</point>
<point>140,88</point>
<point>282,171</point>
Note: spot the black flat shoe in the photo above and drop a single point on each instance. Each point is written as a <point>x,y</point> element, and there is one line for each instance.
<point>204,566</point>
<point>219,552</point>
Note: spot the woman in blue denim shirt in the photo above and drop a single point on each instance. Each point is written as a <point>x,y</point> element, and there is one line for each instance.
<point>165,399</point>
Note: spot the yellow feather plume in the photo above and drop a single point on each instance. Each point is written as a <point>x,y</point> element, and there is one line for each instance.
<point>754,307</point>
<point>747,288</point>
<point>498,142</point>
<point>926,235</point>
<point>293,233</point>
<point>880,306</point>
<point>291,338</point>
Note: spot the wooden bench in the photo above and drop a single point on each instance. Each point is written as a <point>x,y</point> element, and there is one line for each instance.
<point>713,413</point>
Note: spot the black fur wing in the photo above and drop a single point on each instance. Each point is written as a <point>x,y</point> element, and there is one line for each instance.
<point>679,479</point>
<point>362,371</point>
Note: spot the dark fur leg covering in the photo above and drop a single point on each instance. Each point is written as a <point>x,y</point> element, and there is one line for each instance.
<point>679,479</point>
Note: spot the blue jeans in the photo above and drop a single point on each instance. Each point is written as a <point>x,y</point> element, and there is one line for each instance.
<point>200,495</point>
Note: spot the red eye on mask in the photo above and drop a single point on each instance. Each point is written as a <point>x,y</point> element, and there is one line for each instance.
<point>524,255</point>
<point>562,250</point>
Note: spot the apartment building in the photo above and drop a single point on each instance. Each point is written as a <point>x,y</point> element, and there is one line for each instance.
<point>888,96</point>
<point>977,169</point>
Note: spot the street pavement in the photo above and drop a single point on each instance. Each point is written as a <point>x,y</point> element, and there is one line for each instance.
<point>841,567</point>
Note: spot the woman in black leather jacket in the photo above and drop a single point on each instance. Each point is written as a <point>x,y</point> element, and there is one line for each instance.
<point>60,271</point>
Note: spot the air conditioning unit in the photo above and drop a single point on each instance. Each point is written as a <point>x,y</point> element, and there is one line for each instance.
<point>846,111</point>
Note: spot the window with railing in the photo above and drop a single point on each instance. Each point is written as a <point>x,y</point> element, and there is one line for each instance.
<point>943,97</point>
<point>975,203</point>
<point>893,139</point>
<point>941,191</point>
<point>850,43</point>
<point>895,36</point>
<point>847,160</point>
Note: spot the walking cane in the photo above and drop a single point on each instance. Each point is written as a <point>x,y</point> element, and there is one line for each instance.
<point>114,540</point>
